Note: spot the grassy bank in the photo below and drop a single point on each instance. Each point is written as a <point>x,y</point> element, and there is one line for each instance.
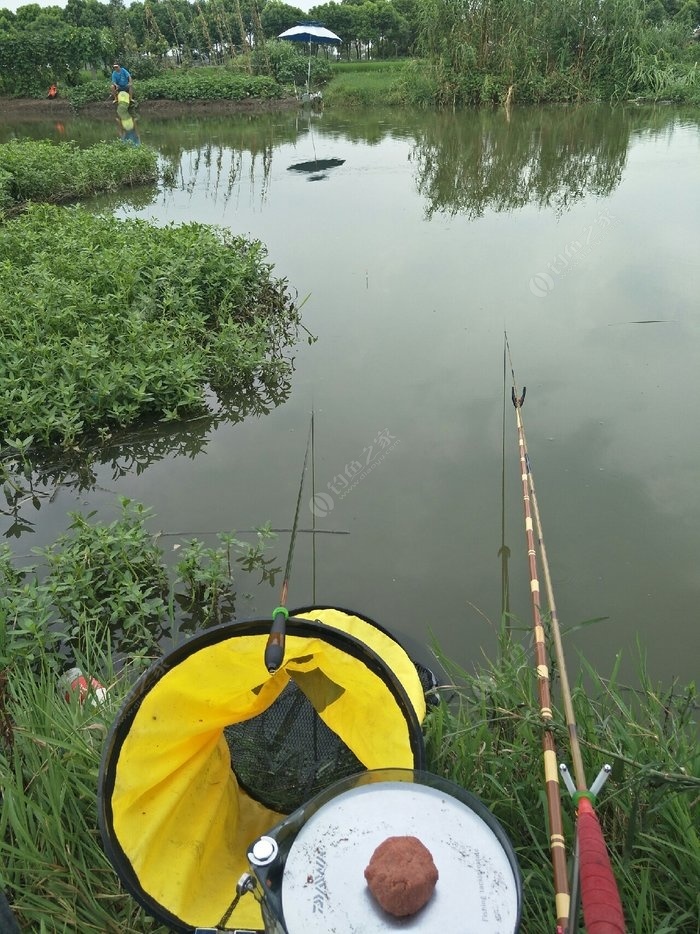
<point>199,84</point>
<point>655,74</point>
<point>487,738</point>
<point>659,64</point>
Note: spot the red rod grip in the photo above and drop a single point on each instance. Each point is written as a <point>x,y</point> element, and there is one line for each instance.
<point>602,908</point>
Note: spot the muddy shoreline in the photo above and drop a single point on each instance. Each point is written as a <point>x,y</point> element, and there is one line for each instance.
<point>33,109</point>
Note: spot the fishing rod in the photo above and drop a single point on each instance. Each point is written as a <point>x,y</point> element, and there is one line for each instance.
<point>274,649</point>
<point>602,907</point>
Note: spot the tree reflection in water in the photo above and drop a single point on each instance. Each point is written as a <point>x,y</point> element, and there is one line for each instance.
<point>501,161</point>
<point>30,480</point>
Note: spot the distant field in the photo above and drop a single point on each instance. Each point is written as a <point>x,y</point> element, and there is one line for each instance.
<point>367,82</point>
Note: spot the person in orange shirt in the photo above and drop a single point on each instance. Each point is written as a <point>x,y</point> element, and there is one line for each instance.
<point>52,92</point>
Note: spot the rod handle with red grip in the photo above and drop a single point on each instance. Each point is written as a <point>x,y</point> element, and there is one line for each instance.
<point>600,898</point>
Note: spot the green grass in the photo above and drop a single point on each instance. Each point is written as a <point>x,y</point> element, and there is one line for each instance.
<point>362,84</point>
<point>485,735</point>
<point>53,864</point>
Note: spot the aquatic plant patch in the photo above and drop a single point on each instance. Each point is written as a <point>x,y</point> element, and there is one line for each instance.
<point>44,171</point>
<point>105,321</point>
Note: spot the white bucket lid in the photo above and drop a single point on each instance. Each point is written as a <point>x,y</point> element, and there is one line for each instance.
<point>324,888</point>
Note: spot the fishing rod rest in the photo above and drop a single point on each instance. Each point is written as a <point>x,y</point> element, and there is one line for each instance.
<point>518,403</point>
<point>600,780</point>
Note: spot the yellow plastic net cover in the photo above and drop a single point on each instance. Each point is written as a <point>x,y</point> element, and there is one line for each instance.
<point>210,751</point>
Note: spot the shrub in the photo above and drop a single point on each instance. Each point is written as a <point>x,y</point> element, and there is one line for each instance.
<point>197,84</point>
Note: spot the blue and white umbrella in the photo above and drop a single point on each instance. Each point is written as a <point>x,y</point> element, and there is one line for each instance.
<point>315,34</point>
<point>311,32</point>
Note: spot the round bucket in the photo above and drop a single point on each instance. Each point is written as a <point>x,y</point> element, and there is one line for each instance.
<point>315,884</point>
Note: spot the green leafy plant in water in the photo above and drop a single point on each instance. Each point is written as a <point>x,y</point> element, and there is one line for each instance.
<point>105,322</point>
<point>44,171</point>
<point>110,578</point>
<point>207,573</point>
<point>107,585</point>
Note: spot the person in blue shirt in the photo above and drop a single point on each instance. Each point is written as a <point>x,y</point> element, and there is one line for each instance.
<point>121,81</point>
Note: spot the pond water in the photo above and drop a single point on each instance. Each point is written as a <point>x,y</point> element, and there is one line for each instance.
<point>418,239</point>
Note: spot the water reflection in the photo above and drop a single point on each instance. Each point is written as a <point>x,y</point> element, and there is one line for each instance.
<point>464,163</point>
<point>535,157</point>
<point>126,121</point>
<point>316,169</point>
<point>31,484</point>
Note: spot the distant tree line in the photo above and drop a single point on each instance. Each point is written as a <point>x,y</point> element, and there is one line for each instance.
<point>39,45</point>
<point>474,50</point>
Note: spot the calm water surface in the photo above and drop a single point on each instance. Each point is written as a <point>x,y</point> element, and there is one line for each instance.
<point>418,239</point>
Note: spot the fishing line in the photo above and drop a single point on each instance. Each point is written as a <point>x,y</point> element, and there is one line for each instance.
<point>274,650</point>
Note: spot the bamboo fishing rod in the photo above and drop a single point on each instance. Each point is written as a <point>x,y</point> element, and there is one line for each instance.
<point>602,907</point>
<point>557,846</point>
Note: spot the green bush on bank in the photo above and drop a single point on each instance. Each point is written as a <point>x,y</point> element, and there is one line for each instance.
<point>196,84</point>
<point>45,171</point>
<point>107,321</point>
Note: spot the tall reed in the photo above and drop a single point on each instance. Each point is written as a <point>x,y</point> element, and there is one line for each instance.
<point>543,51</point>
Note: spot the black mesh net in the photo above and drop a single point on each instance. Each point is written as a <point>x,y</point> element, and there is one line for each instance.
<point>287,754</point>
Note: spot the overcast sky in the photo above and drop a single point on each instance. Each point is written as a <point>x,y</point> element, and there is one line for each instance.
<point>13,4</point>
